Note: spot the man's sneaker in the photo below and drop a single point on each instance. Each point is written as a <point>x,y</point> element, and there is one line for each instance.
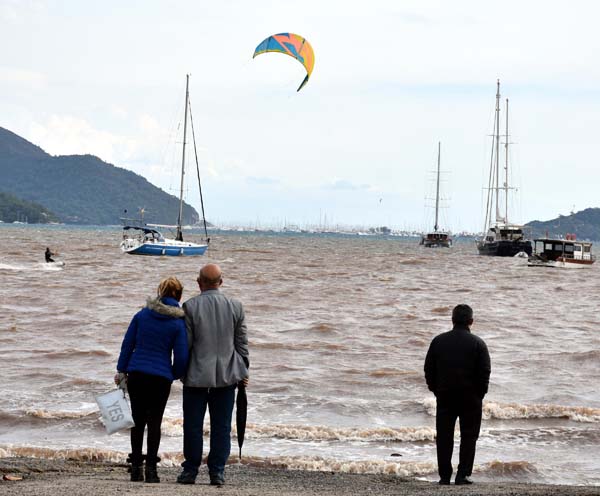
<point>444,482</point>
<point>186,478</point>
<point>462,481</point>
<point>217,480</point>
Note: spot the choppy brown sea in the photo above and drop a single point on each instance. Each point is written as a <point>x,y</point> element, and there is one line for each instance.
<point>338,328</point>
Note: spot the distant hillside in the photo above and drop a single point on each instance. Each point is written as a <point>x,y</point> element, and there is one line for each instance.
<point>585,224</point>
<point>13,209</point>
<point>82,189</point>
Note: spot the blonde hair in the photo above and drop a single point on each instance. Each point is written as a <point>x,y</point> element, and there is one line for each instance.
<point>170,287</point>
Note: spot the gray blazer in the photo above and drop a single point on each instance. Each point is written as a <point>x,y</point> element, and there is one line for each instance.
<point>217,340</point>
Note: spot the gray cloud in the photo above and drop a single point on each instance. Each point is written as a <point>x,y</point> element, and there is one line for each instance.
<point>343,184</point>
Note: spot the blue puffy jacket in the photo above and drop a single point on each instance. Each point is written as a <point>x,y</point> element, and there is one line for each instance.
<point>155,333</point>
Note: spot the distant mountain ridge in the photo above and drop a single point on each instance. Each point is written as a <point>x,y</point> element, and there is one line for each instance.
<point>82,189</point>
<point>585,224</point>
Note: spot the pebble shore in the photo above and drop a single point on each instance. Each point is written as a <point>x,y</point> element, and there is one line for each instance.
<point>74,478</point>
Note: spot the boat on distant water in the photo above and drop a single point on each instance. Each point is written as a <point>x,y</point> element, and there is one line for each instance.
<point>145,239</point>
<point>436,238</point>
<point>502,238</point>
<point>562,253</point>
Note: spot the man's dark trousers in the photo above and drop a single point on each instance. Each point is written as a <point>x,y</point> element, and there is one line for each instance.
<point>467,407</point>
<point>220,405</point>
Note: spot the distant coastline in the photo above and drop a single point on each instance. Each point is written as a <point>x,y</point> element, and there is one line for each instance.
<point>248,230</point>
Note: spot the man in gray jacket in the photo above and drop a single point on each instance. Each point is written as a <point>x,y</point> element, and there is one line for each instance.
<point>218,361</point>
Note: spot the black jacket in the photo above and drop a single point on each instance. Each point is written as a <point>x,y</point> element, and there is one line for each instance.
<point>458,362</point>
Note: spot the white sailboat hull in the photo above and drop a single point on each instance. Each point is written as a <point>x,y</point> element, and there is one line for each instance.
<point>163,247</point>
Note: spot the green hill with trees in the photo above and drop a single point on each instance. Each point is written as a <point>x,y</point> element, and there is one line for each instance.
<point>81,189</point>
<point>585,224</point>
<point>13,209</point>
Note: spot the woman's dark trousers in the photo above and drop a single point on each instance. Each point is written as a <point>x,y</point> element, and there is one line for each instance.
<point>149,395</point>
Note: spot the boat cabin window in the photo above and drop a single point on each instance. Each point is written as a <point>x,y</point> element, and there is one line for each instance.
<point>511,233</point>
<point>587,249</point>
<point>577,247</point>
<point>569,248</point>
<point>539,246</point>
<point>548,247</point>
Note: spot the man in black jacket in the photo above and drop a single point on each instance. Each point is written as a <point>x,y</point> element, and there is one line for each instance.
<point>457,371</point>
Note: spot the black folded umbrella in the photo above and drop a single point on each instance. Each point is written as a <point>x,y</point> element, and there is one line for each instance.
<point>241,412</point>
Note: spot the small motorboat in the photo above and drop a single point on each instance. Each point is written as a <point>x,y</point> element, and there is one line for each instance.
<point>563,253</point>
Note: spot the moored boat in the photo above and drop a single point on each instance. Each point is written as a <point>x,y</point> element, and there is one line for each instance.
<point>437,238</point>
<point>145,239</point>
<point>142,240</point>
<point>502,238</point>
<point>562,253</point>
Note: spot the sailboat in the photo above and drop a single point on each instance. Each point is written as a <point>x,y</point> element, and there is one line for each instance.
<point>502,238</point>
<point>145,239</point>
<point>437,238</point>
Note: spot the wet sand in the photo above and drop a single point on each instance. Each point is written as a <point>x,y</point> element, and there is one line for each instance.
<point>53,477</point>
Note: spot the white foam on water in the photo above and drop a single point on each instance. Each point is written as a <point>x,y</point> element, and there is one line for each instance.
<point>509,411</point>
<point>59,415</point>
<point>174,427</point>
<point>309,463</point>
<point>32,267</point>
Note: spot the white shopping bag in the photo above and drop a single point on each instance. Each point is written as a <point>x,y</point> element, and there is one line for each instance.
<point>116,414</point>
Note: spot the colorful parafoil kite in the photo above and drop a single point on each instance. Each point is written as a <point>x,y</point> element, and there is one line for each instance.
<point>293,45</point>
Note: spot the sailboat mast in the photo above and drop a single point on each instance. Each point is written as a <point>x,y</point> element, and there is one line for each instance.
<point>497,137</point>
<point>437,191</point>
<point>506,168</point>
<point>179,236</point>
<point>490,188</point>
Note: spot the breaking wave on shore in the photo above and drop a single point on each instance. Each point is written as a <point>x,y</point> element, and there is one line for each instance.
<point>493,469</point>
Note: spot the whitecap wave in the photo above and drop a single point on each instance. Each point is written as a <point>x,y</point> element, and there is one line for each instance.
<point>516,469</point>
<point>77,454</point>
<point>174,427</point>
<point>509,411</point>
<point>309,463</point>
<point>506,411</point>
<point>59,414</point>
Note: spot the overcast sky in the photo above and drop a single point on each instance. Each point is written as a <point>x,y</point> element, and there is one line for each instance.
<point>356,146</point>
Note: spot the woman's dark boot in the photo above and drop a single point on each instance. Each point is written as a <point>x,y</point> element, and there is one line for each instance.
<point>137,472</point>
<point>137,467</point>
<point>151,473</point>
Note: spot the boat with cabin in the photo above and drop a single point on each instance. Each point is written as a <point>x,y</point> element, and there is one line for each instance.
<point>145,239</point>
<point>437,238</point>
<point>502,238</point>
<point>568,253</point>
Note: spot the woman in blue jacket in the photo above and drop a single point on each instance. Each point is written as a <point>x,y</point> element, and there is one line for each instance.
<point>155,333</point>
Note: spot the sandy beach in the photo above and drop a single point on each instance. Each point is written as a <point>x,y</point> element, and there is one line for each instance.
<point>51,477</point>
